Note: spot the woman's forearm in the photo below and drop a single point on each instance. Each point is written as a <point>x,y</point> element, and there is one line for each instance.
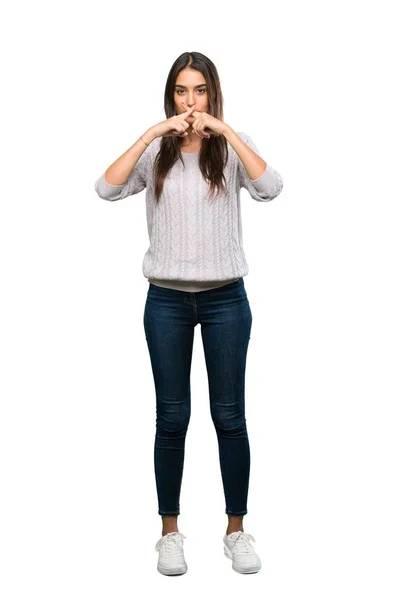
<point>253,163</point>
<point>119,171</point>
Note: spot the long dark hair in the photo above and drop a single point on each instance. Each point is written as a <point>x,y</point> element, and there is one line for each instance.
<point>214,150</point>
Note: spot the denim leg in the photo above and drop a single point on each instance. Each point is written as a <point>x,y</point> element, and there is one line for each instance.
<point>169,322</point>
<point>226,320</point>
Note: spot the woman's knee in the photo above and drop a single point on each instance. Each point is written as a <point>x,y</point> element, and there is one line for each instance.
<point>173,416</point>
<point>229,418</point>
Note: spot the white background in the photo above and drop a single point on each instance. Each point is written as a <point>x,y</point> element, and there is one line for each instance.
<point>314,85</point>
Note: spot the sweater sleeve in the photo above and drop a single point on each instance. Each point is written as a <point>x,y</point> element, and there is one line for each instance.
<point>136,182</point>
<point>266,187</point>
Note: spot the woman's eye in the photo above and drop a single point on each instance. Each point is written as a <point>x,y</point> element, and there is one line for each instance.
<point>179,91</point>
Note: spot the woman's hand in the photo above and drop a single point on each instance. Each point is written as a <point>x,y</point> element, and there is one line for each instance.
<point>174,126</point>
<point>203,121</point>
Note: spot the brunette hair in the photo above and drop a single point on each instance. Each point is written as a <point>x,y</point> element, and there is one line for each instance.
<point>214,150</point>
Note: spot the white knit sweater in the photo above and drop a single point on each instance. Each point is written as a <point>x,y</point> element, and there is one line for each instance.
<point>196,243</point>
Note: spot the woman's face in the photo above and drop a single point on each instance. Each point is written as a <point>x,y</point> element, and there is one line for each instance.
<point>191,88</point>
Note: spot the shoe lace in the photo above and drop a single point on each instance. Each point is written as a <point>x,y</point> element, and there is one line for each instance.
<point>171,543</point>
<point>242,543</point>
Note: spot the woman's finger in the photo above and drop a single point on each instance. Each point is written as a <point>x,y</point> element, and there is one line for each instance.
<point>188,111</point>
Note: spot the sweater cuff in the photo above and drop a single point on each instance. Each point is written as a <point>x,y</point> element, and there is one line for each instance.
<point>266,181</point>
<point>108,191</point>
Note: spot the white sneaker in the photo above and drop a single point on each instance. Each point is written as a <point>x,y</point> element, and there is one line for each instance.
<point>171,560</point>
<point>238,547</point>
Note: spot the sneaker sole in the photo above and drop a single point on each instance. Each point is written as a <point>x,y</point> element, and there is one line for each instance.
<point>237,568</point>
<point>177,570</point>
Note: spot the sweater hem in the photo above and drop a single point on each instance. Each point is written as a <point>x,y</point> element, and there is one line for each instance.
<point>191,286</point>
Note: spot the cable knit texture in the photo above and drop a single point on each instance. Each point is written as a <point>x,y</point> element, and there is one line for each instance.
<point>196,242</point>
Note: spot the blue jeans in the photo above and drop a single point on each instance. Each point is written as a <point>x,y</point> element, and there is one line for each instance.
<point>170,317</point>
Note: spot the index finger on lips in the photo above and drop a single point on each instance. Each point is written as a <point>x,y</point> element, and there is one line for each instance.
<point>188,109</point>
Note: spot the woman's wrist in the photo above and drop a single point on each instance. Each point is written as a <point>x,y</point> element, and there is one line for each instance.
<point>226,130</point>
<point>149,136</point>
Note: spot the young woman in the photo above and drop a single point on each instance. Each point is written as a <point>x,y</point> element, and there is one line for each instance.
<point>193,165</point>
